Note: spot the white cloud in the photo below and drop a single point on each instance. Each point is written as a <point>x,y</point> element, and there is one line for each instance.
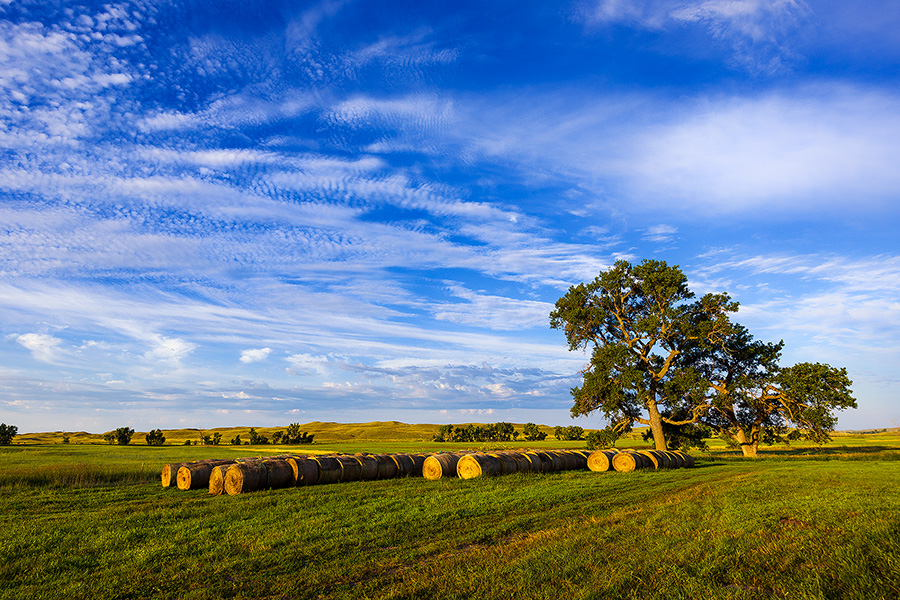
<point>782,150</point>
<point>306,364</point>
<point>42,346</point>
<point>255,355</point>
<point>169,349</point>
<point>660,233</point>
<point>494,312</point>
<point>759,32</point>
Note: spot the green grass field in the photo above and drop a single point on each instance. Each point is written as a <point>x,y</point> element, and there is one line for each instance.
<point>92,521</point>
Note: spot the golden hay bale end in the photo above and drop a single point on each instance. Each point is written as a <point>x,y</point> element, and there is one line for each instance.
<point>194,476</point>
<point>437,466</point>
<point>601,460</point>
<point>217,480</point>
<point>625,462</point>
<point>477,465</point>
<point>170,474</point>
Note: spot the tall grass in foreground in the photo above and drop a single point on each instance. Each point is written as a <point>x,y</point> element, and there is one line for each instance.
<point>787,527</point>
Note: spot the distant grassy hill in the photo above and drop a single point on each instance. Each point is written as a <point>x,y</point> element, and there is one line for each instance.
<point>393,431</point>
<point>380,431</point>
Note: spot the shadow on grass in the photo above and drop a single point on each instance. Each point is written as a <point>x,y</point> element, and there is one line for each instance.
<point>820,453</point>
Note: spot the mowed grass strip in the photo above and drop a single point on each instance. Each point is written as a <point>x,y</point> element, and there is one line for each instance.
<point>728,529</point>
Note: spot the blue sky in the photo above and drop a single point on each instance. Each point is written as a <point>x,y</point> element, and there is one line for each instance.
<point>255,213</point>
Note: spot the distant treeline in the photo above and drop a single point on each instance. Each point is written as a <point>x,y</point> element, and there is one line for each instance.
<point>290,436</point>
<point>503,432</point>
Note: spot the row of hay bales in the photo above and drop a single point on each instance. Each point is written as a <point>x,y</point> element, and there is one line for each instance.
<point>251,474</point>
<point>626,461</point>
<point>468,465</point>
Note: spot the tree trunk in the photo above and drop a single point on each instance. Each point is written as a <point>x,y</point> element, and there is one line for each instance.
<point>747,447</point>
<point>659,438</point>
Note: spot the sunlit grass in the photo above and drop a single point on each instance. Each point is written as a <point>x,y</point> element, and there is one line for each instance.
<point>787,525</point>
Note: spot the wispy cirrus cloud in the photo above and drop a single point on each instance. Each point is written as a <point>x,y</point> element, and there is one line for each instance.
<point>758,31</point>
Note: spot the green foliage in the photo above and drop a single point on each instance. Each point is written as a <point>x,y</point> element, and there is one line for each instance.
<point>753,401</point>
<point>637,321</point>
<point>570,433</point>
<point>65,438</point>
<point>236,440</point>
<point>276,437</point>
<point>492,432</point>
<point>217,438</point>
<point>684,437</point>
<point>293,436</point>
<point>532,434</point>
<point>123,435</point>
<point>602,438</point>
<point>7,433</point>
<point>257,439</point>
<point>155,438</point>
<point>110,437</point>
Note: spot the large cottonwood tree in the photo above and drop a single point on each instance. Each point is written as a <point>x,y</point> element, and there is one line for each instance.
<point>638,320</point>
<point>753,400</point>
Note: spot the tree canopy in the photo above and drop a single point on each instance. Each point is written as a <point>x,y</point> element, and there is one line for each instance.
<point>638,320</point>
<point>753,400</point>
<point>661,358</point>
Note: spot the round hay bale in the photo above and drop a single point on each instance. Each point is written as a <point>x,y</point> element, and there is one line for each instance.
<point>654,461</point>
<point>305,470</point>
<point>368,470</point>
<point>539,464</point>
<point>418,463</point>
<point>471,466</point>
<point>556,463</point>
<point>329,469</point>
<point>217,480</point>
<point>508,464</point>
<point>626,462</point>
<point>351,468</point>
<point>601,460</point>
<point>662,459</point>
<point>406,464</point>
<point>523,465</point>
<point>279,474</point>
<point>194,476</point>
<point>567,461</point>
<point>437,466</point>
<point>387,468</point>
<point>244,477</point>
<point>170,474</point>
<point>676,461</point>
<point>687,458</point>
<point>581,457</point>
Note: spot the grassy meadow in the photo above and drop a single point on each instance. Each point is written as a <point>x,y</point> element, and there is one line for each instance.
<point>91,521</point>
